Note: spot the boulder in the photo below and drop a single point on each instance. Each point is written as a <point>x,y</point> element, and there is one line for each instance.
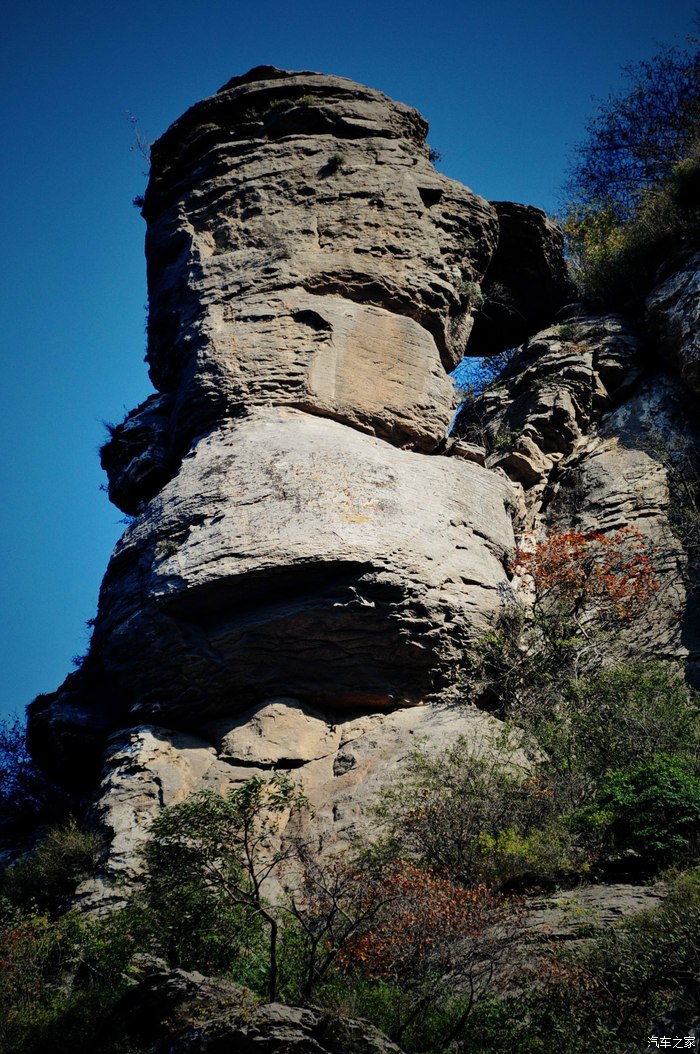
<point>673,316</point>
<point>182,1012</point>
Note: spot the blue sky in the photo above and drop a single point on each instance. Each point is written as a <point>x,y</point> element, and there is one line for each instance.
<point>506,86</point>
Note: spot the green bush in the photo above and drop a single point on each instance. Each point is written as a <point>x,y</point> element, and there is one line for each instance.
<point>630,711</point>
<point>46,878</point>
<point>606,721</point>
<point>651,808</point>
<point>476,812</point>
<point>611,993</point>
<point>57,979</point>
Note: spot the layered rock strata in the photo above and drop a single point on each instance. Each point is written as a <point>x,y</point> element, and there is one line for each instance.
<point>312,279</point>
<point>310,554</point>
<point>588,421</point>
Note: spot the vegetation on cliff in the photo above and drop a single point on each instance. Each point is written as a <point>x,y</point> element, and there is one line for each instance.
<point>426,930</point>
<point>634,186</point>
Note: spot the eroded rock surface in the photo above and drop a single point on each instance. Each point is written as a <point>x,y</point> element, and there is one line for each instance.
<point>311,553</point>
<point>345,765</point>
<point>179,1012</point>
<point>299,533</point>
<point>586,422</point>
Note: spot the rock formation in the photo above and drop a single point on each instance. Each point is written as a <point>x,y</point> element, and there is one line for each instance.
<point>310,552</point>
<point>179,1012</point>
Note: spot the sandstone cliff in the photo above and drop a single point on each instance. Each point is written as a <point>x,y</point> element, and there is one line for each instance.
<point>310,552</point>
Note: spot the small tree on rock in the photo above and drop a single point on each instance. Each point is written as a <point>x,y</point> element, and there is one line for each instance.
<point>226,847</point>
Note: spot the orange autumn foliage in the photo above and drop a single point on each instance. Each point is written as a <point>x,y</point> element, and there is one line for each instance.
<point>429,923</point>
<point>610,573</point>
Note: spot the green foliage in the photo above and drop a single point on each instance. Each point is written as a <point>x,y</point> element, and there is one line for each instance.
<point>633,186</point>
<point>477,813</point>
<point>57,978</point>
<point>651,808</point>
<point>470,292</point>
<point>46,878</point>
<point>615,259</point>
<point>621,714</point>
<point>432,1024</point>
<point>607,720</point>
<point>208,859</point>
<point>335,163</point>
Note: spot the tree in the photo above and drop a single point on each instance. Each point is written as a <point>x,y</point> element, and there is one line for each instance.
<point>589,576</point>
<point>584,587</point>
<point>638,135</point>
<point>651,808</point>
<point>332,901</point>
<point>634,185</point>
<point>225,847</point>
<point>433,934</point>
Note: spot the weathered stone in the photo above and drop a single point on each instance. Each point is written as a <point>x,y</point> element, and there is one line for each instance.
<point>673,314</point>
<point>345,768</point>
<point>137,457</point>
<point>294,556</point>
<point>527,280</point>
<point>302,251</point>
<point>180,1012</point>
<point>146,770</point>
<point>588,909</point>
<point>279,733</point>
<point>302,254</point>
<point>556,387</point>
<point>614,480</point>
<point>467,451</point>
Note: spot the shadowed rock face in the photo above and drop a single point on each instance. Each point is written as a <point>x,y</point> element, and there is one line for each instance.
<point>312,279</point>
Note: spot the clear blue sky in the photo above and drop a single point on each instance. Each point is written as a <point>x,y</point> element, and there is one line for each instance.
<point>506,87</point>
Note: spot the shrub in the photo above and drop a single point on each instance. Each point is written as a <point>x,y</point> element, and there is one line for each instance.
<point>633,185</point>
<point>433,948</point>
<point>212,856</point>
<point>651,808</point>
<point>614,990</point>
<point>47,877</point>
<point>57,979</point>
<point>477,814</point>
<point>593,575</point>
<point>619,715</point>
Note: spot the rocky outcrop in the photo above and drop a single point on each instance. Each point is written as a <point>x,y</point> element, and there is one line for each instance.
<point>673,315</point>
<point>526,281</point>
<point>311,553</point>
<point>586,421</point>
<point>181,1012</point>
<point>345,765</point>
<point>303,252</point>
<point>299,530</point>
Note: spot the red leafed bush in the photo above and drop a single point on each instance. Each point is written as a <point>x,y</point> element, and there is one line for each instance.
<point>609,573</point>
<point>431,924</point>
